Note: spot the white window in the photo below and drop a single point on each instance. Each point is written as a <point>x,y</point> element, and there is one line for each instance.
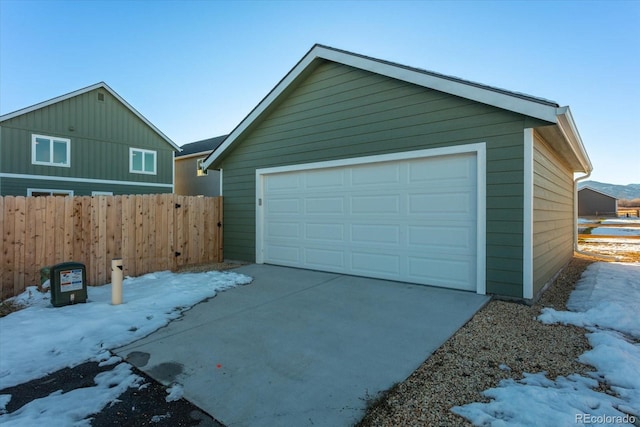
<point>102,193</point>
<point>50,151</point>
<point>199,170</point>
<point>142,161</point>
<point>35,192</point>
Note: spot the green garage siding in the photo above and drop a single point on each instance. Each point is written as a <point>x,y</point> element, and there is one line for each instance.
<point>340,112</point>
<point>101,133</point>
<point>553,221</point>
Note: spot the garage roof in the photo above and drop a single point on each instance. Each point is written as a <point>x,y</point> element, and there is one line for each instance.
<point>564,137</point>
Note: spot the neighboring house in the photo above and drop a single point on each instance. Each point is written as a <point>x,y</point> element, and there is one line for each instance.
<point>191,179</point>
<point>365,167</point>
<point>87,142</point>
<point>596,203</point>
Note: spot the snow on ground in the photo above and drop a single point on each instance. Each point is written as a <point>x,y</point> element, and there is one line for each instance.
<point>41,339</point>
<point>622,221</point>
<point>615,231</point>
<point>613,246</point>
<point>606,301</point>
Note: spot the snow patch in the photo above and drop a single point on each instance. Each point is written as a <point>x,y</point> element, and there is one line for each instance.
<point>175,392</point>
<point>41,339</point>
<point>606,300</point>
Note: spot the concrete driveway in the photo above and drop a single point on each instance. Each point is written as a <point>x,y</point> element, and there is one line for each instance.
<point>300,347</point>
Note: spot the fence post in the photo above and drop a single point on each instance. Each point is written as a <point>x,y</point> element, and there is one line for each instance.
<point>116,281</point>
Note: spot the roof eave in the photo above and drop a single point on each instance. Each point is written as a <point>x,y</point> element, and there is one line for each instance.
<point>569,130</point>
<point>198,154</point>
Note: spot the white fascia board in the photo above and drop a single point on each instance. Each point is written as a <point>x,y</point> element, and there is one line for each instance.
<point>567,126</point>
<point>198,154</point>
<point>102,85</point>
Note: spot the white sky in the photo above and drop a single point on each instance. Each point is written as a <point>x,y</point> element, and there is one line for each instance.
<point>195,69</point>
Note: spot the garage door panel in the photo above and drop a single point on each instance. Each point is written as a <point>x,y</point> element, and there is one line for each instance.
<point>386,265</point>
<point>450,273</point>
<point>279,230</point>
<point>383,174</point>
<point>325,232</point>
<point>434,170</point>
<point>290,255</point>
<point>375,204</point>
<point>324,206</point>
<point>285,206</point>
<point>442,203</point>
<point>325,259</point>
<point>443,238</point>
<point>408,220</point>
<point>283,182</point>
<point>324,179</point>
<point>375,233</point>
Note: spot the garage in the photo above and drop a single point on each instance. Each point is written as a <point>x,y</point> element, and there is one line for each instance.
<point>365,167</point>
<point>410,217</point>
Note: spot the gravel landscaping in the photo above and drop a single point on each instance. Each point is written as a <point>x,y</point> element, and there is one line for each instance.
<point>501,341</point>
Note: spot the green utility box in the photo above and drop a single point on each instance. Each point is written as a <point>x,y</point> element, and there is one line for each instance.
<point>68,283</point>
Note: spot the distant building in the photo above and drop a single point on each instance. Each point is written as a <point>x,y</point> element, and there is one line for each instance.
<point>190,178</point>
<point>596,203</point>
<point>87,142</point>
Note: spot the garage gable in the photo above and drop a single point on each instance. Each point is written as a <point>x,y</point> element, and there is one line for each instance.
<point>540,109</point>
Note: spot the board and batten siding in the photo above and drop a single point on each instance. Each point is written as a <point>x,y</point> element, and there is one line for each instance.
<point>339,112</point>
<point>101,133</point>
<point>553,223</point>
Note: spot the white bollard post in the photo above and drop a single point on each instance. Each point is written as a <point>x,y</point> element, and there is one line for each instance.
<point>116,281</point>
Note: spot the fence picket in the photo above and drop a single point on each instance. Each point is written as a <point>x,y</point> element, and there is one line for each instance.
<point>20,242</point>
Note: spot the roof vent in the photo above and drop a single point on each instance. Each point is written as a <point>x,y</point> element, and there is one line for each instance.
<point>100,96</point>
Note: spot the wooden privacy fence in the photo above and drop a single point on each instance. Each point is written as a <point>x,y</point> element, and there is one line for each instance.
<point>149,232</point>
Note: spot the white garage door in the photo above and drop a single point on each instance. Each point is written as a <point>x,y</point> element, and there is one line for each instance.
<point>409,220</point>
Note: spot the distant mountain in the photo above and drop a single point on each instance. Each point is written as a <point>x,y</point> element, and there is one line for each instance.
<point>629,192</point>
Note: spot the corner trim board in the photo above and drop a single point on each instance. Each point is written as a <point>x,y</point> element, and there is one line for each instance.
<point>527,217</point>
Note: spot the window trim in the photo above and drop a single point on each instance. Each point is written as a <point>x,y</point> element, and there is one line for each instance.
<point>30,191</point>
<point>102,193</point>
<point>67,141</point>
<point>143,151</point>
<point>199,170</point>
